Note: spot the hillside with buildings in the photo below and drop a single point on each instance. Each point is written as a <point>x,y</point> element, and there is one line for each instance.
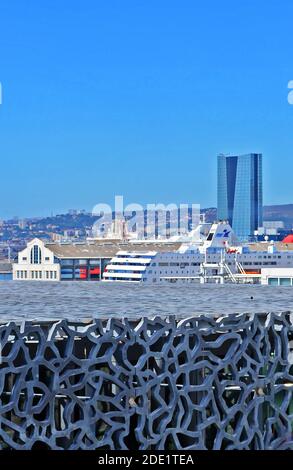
<point>77,225</point>
<point>282,212</point>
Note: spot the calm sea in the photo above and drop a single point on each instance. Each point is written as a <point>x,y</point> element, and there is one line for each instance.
<point>41,300</point>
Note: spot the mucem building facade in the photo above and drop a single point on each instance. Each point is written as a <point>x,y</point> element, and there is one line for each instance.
<point>206,382</point>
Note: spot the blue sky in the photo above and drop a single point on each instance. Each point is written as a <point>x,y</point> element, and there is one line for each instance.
<point>138,97</point>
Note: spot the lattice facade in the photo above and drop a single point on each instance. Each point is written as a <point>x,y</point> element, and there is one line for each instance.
<point>161,383</point>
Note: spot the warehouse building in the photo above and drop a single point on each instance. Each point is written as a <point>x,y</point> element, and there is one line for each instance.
<point>5,270</point>
<point>87,261</point>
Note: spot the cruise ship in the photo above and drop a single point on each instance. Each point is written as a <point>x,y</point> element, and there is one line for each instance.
<point>210,253</point>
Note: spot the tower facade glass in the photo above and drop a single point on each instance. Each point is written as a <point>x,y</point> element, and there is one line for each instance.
<point>240,189</point>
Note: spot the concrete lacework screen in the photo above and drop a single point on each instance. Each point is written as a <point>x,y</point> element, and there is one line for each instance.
<point>161,383</point>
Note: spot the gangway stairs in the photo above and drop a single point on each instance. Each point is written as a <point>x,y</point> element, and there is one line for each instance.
<point>222,268</point>
<point>229,272</point>
<point>240,267</point>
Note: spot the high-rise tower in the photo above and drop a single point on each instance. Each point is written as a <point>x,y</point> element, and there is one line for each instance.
<point>240,192</point>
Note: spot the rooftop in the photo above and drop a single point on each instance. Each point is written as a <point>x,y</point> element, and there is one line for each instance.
<point>263,246</point>
<point>106,249</point>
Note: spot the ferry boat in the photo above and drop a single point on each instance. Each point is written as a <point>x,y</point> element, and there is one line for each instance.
<point>206,254</point>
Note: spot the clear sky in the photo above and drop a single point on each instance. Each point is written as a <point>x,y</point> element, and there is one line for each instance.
<point>138,97</point>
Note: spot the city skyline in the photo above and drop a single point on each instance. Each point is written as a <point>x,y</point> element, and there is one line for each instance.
<point>139,99</point>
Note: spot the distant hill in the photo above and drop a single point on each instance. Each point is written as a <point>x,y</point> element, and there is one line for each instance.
<point>283,212</point>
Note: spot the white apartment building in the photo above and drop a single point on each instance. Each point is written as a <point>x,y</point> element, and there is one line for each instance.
<point>36,262</point>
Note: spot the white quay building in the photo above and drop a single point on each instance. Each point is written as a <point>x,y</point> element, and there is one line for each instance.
<point>36,263</point>
<point>85,261</point>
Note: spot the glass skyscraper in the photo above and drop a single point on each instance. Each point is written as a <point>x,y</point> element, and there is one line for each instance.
<point>240,192</point>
